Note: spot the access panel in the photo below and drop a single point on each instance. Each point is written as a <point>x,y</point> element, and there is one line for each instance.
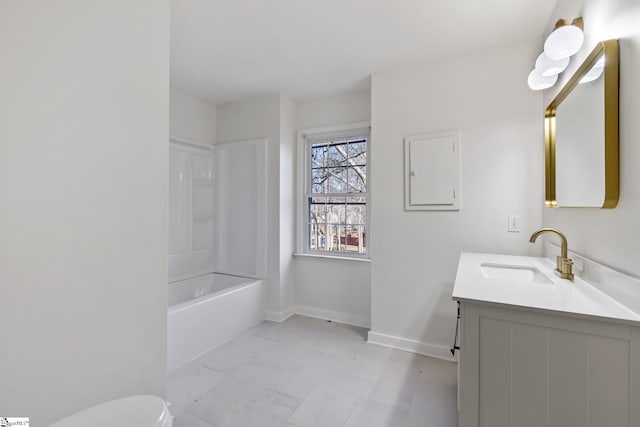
<point>432,172</point>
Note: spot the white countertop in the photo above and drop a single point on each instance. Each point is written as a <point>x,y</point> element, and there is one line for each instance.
<point>569,297</point>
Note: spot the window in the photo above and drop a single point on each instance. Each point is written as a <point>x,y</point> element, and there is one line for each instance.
<point>336,195</point>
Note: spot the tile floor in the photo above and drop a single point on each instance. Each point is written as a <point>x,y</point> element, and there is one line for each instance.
<point>308,372</point>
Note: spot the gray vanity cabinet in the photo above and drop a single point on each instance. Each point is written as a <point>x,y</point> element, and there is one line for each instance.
<point>521,367</point>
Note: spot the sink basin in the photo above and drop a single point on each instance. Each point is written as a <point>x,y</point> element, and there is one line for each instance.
<point>515,273</point>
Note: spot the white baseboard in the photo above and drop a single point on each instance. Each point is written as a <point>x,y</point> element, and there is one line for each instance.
<point>280,316</point>
<point>405,344</point>
<point>319,313</point>
<point>334,316</point>
<point>426,349</point>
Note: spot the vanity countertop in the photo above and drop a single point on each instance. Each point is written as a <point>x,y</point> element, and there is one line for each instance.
<point>576,297</point>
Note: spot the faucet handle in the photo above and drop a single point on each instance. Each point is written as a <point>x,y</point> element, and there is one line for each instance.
<point>568,268</point>
<point>564,268</point>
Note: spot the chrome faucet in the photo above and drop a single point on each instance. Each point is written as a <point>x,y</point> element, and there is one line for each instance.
<point>564,265</point>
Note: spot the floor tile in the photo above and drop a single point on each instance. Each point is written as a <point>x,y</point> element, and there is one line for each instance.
<point>259,376</point>
<point>235,353</point>
<point>340,346</point>
<point>328,405</point>
<point>307,372</point>
<point>184,419</point>
<point>222,405</point>
<point>290,353</point>
<point>371,413</point>
<point>396,381</point>
<point>434,400</point>
<point>187,384</point>
<point>268,408</point>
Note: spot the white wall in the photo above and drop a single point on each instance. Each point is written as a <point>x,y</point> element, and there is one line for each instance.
<point>191,119</point>
<point>339,290</point>
<point>83,219</point>
<point>415,254</point>
<point>335,289</point>
<point>240,236</point>
<point>334,110</point>
<point>255,119</point>
<point>287,201</point>
<point>609,236</point>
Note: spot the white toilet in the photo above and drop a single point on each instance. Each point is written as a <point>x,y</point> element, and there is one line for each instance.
<point>132,411</point>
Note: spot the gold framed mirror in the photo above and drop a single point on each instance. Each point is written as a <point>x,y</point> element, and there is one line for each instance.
<point>581,135</point>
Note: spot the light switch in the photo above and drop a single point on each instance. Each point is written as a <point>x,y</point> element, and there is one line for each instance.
<point>514,224</point>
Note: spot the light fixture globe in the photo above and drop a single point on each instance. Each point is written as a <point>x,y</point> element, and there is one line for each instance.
<point>537,81</point>
<point>595,72</point>
<point>565,40</point>
<point>548,67</point>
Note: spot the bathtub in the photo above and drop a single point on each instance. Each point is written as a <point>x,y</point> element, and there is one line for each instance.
<point>208,310</point>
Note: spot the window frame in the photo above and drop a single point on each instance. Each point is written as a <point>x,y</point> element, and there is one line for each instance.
<point>306,138</point>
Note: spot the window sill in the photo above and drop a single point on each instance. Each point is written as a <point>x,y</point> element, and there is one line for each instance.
<point>341,258</point>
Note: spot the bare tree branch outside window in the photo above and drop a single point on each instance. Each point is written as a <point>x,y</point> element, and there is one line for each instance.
<point>337,204</point>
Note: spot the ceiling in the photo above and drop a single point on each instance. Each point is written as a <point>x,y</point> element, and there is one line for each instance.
<point>227,50</point>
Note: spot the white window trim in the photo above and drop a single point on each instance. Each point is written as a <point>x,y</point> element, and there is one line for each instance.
<point>302,180</point>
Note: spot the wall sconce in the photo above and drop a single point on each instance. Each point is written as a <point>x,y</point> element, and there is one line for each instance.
<point>564,42</point>
<point>594,72</point>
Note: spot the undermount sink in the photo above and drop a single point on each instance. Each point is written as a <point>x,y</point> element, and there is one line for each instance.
<point>516,273</point>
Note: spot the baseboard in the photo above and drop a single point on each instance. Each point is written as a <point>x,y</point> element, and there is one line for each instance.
<point>280,316</point>
<point>319,313</point>
<point>426,349</point>
<point>334,316</point>
<point>405,344</point>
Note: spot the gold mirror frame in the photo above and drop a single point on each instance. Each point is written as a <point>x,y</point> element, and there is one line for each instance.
<point>608,49</point>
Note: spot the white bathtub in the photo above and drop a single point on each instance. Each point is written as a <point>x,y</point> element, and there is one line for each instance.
<point>209,310</point>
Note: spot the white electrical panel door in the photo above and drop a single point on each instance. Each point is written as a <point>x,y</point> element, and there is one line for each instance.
<point>432,172</point>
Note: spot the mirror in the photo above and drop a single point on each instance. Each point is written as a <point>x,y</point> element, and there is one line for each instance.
<point>581,135</point>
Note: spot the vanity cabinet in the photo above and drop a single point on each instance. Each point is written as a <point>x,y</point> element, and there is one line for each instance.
<point>531,367</point>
